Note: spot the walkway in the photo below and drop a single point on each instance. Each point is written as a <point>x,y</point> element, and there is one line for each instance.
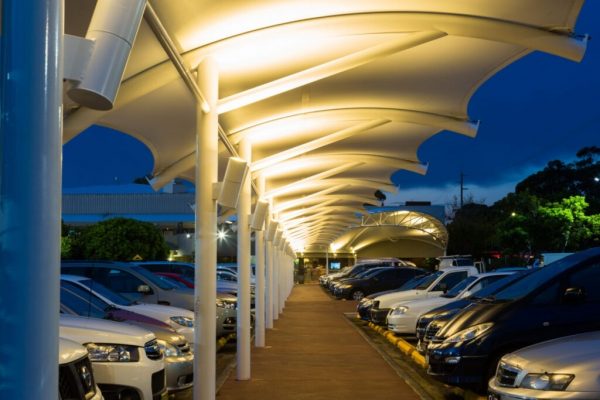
<point>315,353</point>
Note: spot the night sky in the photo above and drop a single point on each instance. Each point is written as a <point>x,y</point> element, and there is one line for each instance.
<point>538,109</point>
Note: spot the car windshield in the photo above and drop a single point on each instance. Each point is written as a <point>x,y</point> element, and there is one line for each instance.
<point>462,285</point>
<point>105,292</point>
<point>172,281</point>
<point>155,279</point>
<point>368,273</point>
<point>535,279</point>
<point>500,284</point>
<point>429,279</point>
<point>413,283</point>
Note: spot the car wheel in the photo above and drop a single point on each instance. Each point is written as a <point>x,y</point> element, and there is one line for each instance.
<point>357,295</point>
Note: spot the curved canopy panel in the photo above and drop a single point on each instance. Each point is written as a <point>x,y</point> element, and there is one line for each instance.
<point>398,233</point>
<point>333,96</point>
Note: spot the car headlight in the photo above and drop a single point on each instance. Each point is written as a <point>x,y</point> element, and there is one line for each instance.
<point>225,304</point>
<point>344,286</point>
<point>547,381</point>
<point>112,352</point>
<point>168,349</point>
<point>183,321</point>
<point>399,310</point>
<point>469,333</point>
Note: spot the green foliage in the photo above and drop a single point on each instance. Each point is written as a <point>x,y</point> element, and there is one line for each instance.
<point>65,247</point>
<point>121,239</point>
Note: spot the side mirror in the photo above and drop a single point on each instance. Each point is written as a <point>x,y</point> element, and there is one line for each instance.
<point>574,295</point>
<point>144,289</point>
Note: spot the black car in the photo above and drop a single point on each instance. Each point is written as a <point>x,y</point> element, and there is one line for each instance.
<point>557,300</point>
<point>431,322</point>
<point>364,306</point>
<point>376,280</point>
<point>354,271</point>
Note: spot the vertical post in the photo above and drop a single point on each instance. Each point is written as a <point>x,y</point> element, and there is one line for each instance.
<point>270,283</point>
<point>281,285</point>
<point>207,141</point>
<point>275,282</point>
<point>326,262</point>
<point>259,300</point>
<point>243,260</point>
<point>30,197</point>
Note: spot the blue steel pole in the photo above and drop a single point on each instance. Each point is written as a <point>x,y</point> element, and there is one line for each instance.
<point>30,197</point>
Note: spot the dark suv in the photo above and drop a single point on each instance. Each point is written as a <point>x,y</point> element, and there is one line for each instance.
<point>557,300</point>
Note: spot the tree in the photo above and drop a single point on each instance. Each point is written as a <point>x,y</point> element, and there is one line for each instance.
<point>471,231</point>
<point>121,239</point>
<point>379,195</point>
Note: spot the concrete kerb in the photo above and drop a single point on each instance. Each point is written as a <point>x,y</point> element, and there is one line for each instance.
<point>405,347</point>
<point>411,352</point>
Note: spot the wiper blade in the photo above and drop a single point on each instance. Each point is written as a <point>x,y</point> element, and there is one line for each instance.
<point>488,299</point>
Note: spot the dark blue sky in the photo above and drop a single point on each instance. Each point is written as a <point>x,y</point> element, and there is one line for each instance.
<point>538,109</point>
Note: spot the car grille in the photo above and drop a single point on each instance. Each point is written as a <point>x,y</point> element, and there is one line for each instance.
<point>75,380</point>
<point>158,382</point>
<point>431,331</point>
<point>153,350</point>
<point>506,375</point>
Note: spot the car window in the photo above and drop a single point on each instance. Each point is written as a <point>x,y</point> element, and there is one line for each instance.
<point>550,295</point>
<point>105,292</point>
<point>155,279</point>
<point>428,280</point>
<point>451,279</point>
<point>82,302</point>
<point>484,282</point>
<point>172,281</point>
<point>226,276</point>
<point>122,281</point>
<point>587,279</point>
<point>456,289</point>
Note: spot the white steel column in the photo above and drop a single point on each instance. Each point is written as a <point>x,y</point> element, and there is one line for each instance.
<point>205,280</point>
<point>275,282</point>
<point>270,282</point>
<point>30,197</point>
<point>244,271</point>
<point>281,283</point>
<point>327,262</point>
<point>259,299</point>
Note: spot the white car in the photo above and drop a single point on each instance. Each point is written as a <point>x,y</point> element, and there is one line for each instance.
<point>432,286</point>
<point>403,316</point>
<point>127,360</point>
<point>180,319</point>
<point>564,368</point>
<point>75,375</point>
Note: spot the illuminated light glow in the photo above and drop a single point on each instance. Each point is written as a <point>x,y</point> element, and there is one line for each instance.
<point>317,184</point>
<point>326,159</point>
<point>310,180</point>
<point>344,198</point>
<point>317,143</point>
<point>325,70</point>
<point>273,126</point>
<point>356,209</point>
<point>222,235</point>
<point>294,214</point>
<point>308,198</point>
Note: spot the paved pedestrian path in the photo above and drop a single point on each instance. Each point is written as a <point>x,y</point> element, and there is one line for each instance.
<point>314,352</point>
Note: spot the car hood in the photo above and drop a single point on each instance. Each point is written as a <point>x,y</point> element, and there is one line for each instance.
<point>387,300</point>
<point>419,306</point>
<point>474,314</point>
<point>454,305</point>
<point>159,312</point>
<point>120,315</point>
<point>576,354</point>
<point>69,351</point>
<point>85,330</point>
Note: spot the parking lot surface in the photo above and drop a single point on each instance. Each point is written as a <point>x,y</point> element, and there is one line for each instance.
<point>315,352</point>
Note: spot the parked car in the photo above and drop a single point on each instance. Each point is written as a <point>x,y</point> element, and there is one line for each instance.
<point>433,286</point>
<point>179,319</point>
<point>403,316</point>
<point>75,374</point>
<point>565,368</point>
<point>179,359</point>
<point>324,279</point>
<point>127,360</point>
<point>432,321</point>
<point>188,282</point>
<point>355,271</point>
<point>557,300</point>
<point>363,309</point>
<point>138,284</point>
<point>376,280</point>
